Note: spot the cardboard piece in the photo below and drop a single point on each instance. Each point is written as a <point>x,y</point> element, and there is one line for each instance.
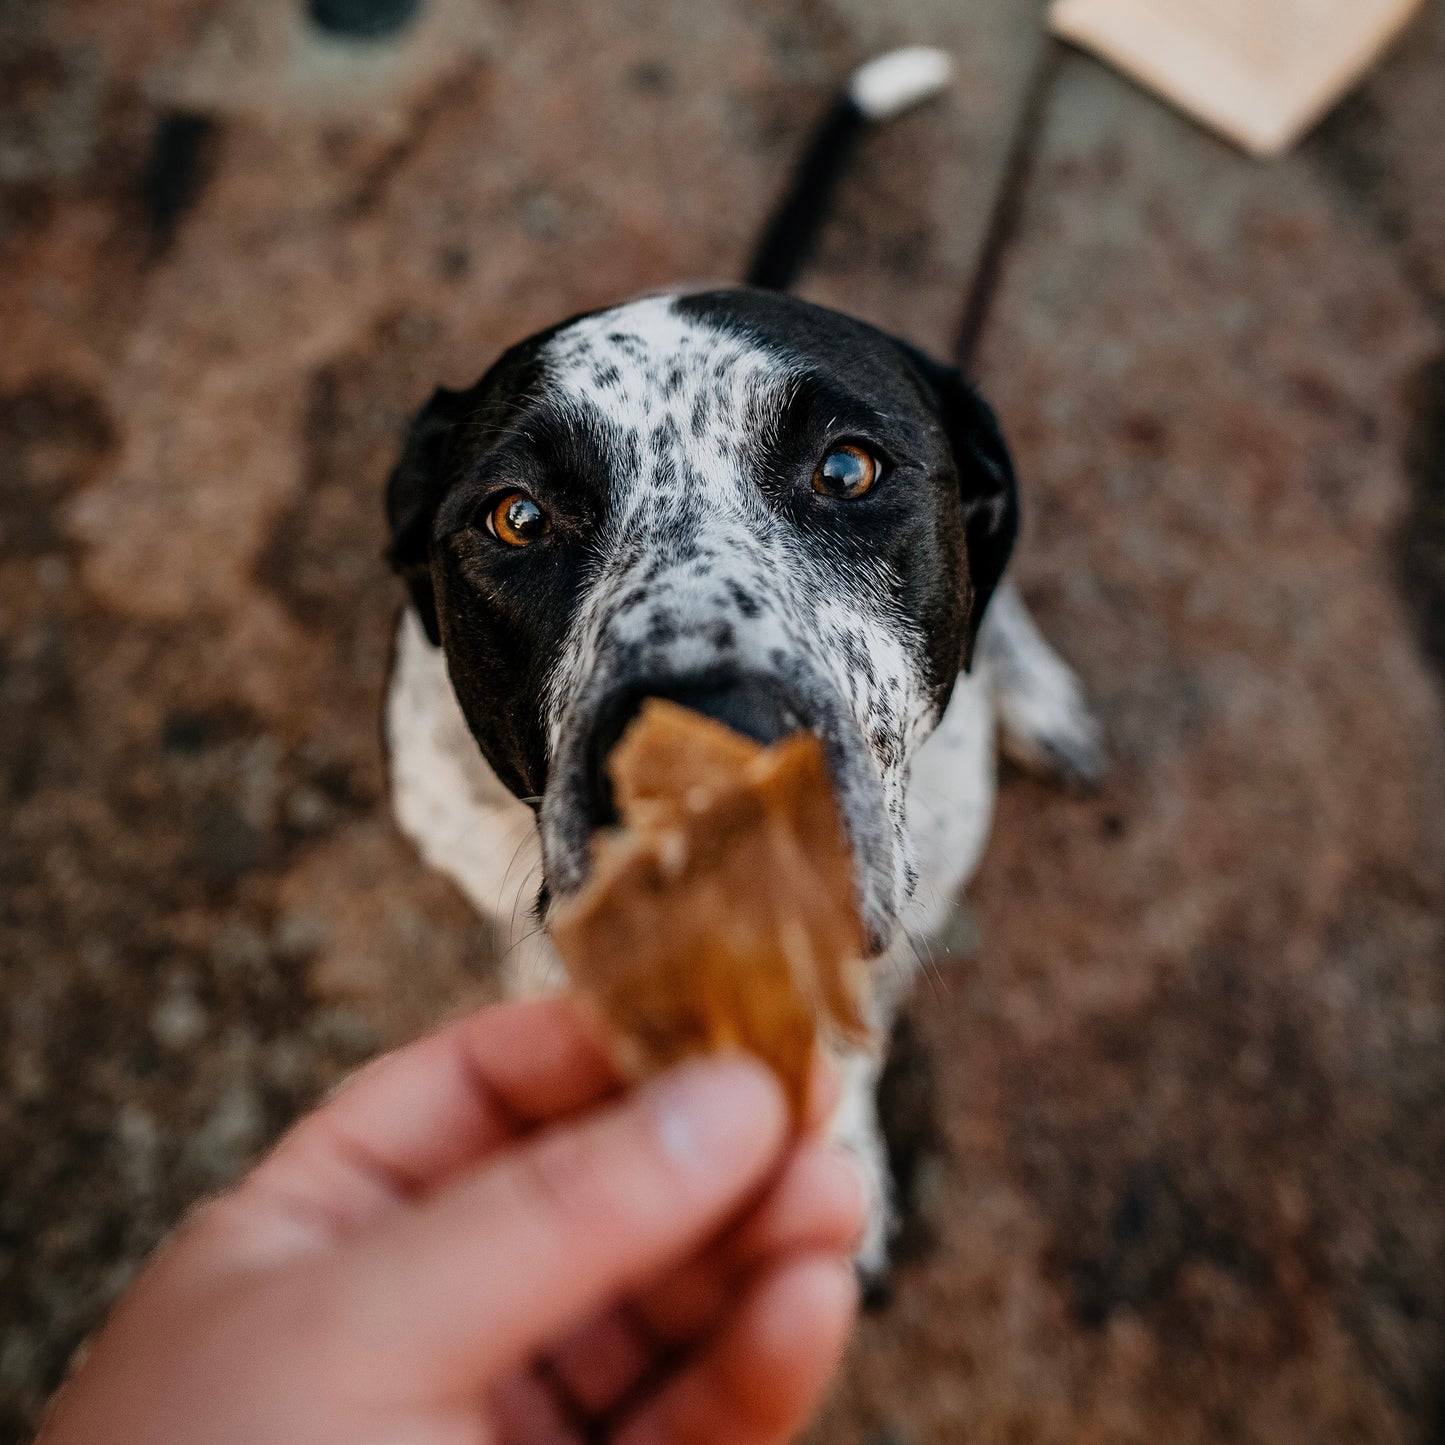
<point>1260,72</point>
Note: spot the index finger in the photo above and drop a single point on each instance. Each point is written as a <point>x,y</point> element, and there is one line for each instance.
<point>413,1119</point>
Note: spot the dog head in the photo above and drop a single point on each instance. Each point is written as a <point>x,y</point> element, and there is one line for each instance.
<point>756,507</point>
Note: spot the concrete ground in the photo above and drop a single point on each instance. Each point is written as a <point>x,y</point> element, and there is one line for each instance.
<point>1178,1118</point>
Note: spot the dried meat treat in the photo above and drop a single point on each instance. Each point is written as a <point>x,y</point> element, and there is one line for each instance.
<point>721,913</point>
<point>671,758</point>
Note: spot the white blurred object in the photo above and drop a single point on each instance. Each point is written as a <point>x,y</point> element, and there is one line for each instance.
<point>892,82</point>
<point>1260,72</point>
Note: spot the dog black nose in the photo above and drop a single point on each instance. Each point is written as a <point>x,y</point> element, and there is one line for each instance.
<point>754,706</point>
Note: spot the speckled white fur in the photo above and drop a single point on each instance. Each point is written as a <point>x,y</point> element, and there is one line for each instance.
<point>697,572</point>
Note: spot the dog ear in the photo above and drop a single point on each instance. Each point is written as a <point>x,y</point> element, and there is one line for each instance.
<point>986,479</point>
<point>413,491</point>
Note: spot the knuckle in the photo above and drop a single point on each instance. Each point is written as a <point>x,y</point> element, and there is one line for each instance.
<point>566,1181</point>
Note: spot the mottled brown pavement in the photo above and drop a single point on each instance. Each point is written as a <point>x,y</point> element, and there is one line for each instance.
<point>1187,1176</point>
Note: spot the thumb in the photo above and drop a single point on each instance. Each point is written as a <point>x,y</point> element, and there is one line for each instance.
<point>513,1255</point>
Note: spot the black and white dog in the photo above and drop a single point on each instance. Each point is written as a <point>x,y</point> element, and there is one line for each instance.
<point>762,509</point>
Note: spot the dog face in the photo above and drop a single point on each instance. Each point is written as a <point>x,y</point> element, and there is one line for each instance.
<point>756,507</point>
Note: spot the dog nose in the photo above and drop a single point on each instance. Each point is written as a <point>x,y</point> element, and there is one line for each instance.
<point>753,706</point>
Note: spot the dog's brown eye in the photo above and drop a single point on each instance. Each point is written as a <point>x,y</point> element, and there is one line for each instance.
<point>847,472</point>
<point>517,520</point>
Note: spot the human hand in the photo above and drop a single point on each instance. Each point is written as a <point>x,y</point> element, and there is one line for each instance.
<point>484,1239</point>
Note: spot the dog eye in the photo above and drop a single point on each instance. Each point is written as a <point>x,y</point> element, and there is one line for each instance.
<point>847,472</point>
<point>518,521</point>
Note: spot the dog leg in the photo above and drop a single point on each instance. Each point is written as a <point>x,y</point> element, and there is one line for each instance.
<point>855,1126</point>
<point>1046,723</point>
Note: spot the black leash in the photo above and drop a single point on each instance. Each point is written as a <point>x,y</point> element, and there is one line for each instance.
<point>1008,206</point>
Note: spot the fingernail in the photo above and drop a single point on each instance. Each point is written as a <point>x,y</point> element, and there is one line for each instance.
<point>717,1112</point>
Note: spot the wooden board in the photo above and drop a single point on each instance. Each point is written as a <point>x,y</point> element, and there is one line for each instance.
<point>1260,72</point>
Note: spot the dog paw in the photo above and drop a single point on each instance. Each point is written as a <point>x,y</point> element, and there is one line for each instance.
<point>873,1262</point>
<point>1052,732</point>
<point>1046,724</point>
<point>1045,719</point>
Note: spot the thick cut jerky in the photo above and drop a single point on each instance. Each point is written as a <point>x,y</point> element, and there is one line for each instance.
<point>721,913</point>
